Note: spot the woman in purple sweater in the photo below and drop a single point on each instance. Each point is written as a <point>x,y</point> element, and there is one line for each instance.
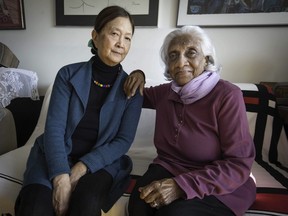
<point>205,150</point>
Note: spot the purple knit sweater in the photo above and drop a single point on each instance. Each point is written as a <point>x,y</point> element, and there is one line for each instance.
<point>206,145</point>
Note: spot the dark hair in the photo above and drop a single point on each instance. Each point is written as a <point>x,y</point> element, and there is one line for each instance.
<point>108,14</point>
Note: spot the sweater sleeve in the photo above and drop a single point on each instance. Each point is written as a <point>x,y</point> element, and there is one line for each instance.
<point>54,141</point>
<point>232,170</point>
<point>112,149</point>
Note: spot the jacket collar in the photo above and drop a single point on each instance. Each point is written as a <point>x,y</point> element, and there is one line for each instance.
<point>81,82</point>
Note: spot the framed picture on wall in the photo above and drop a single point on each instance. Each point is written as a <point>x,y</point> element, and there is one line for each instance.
<point>12,14</point>
<point>216,13</point>
<point>84,12</point>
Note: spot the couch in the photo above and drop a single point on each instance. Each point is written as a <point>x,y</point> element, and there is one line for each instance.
<point>270,168</point>
<point>8,134</point>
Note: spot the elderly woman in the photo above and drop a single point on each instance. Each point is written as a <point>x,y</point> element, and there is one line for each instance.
<point>78,166</point>
<point>204,148</point>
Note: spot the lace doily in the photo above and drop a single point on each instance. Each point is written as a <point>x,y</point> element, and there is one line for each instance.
<point>15,83</point>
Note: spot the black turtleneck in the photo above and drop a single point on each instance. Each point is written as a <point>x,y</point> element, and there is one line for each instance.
<point>86,133</point>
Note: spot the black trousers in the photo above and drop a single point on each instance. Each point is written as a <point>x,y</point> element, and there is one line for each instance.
<point>87,199</point>
<point>207,206</point>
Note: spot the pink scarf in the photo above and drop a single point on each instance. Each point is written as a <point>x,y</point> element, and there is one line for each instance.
<point>197,88</point>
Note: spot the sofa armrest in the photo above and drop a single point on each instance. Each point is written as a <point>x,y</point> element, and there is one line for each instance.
<point>8,139</point>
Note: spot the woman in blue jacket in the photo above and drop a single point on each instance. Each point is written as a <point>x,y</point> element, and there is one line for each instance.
<point>78,165</point>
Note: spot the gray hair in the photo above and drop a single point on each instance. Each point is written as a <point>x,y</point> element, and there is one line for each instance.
<point>205,43</point>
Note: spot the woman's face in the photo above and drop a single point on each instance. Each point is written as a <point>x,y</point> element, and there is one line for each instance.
<point>114,40</point>
<point>185,59</point>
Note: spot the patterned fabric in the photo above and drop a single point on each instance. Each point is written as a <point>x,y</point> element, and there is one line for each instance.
<point>17,83</point>
<point>270,200</point>
<point>270,142</point>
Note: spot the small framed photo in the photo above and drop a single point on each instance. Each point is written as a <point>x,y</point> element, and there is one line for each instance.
<point>84,12</point>
<point>214,13</point>
<point>12,14</point>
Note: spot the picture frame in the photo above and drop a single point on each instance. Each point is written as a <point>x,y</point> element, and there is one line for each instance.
<point>229,19</point>
<point>136,8</point>
<point>12,15</point>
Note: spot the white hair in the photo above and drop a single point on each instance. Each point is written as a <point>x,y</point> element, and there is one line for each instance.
<point>205,44</point>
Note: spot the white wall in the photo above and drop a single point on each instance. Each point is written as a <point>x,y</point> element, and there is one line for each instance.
<point>246,54</point>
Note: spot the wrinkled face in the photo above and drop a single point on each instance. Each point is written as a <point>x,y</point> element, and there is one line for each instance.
<point>113,42</point>
<point>185,59</point>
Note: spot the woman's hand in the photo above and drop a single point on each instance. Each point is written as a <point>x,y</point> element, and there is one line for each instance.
<point>77,171</point>
<point>61,194</point>
<point>134,81</point>
<point>160,193</point>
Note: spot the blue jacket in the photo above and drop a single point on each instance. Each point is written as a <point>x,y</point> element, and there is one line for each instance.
<point>118,122</point>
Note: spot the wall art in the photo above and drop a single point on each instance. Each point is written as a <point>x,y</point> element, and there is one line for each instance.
<point>212,13</point>
<point>12,14</point>
<point>84,12</point>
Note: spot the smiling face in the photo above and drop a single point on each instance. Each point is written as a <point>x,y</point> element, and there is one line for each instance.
<point>114,40</point>
<point>185,59</point>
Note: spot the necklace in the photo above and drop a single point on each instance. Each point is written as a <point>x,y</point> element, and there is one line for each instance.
<point>102,85</point>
